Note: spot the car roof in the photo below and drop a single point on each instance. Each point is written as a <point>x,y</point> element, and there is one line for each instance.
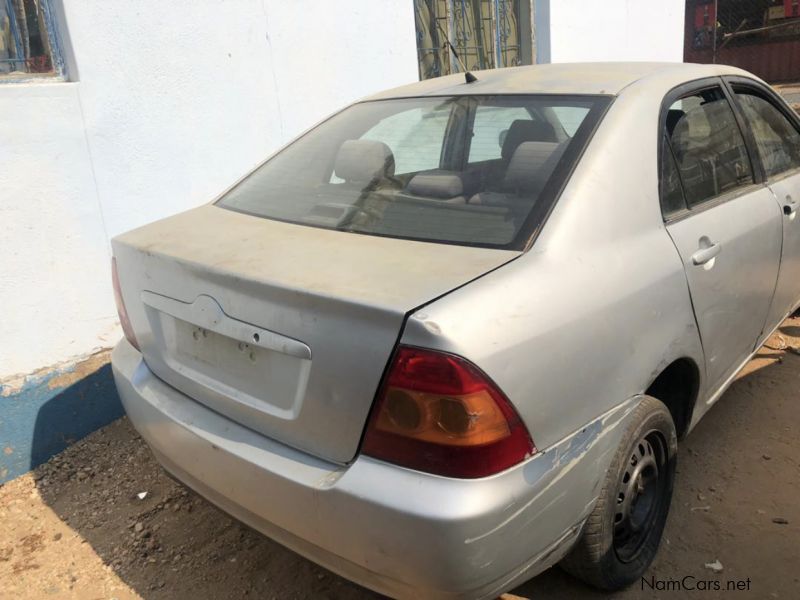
<point>559,78</point>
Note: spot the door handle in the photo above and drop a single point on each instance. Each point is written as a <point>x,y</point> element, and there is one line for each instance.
<point>707,254</point>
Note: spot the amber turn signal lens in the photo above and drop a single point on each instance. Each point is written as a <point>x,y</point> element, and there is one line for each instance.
<point>439,413</point>
<point>454,420</point>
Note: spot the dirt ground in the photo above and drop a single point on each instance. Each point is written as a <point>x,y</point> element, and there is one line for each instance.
<point>75,527</point>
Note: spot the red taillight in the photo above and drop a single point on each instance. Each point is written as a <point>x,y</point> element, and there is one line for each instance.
<point>439,413</point>
<point>123,313</point>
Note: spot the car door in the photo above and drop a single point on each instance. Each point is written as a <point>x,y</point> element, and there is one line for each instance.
<point>774,131</point>
<point>723,221</point>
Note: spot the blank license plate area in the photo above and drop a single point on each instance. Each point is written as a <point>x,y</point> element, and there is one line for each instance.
<point>241,370</point>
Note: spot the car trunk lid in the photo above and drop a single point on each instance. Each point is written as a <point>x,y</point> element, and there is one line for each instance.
<point>284,328</point>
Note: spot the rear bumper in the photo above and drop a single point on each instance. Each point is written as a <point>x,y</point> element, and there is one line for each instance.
<point>397,531</point>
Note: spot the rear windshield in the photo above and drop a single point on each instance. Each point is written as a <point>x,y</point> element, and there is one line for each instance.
<point>473,170</point>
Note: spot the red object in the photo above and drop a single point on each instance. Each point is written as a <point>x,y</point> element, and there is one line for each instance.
<point>39,64</point>
<point>439,413</point>
<point>791,8</point>
<point>127,329</point>
<point>704,15</point>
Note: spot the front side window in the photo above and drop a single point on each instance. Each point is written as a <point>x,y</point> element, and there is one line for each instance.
<point>777,140</point>
<point>707,145</point>
<point>468,169</point>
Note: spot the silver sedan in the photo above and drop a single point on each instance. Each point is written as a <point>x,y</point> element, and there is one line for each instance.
<point>450,336</point>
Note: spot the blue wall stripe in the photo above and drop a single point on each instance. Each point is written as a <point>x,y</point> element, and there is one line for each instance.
<point>38,421</point>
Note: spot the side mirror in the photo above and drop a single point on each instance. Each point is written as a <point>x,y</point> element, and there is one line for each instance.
<point>501,139</point>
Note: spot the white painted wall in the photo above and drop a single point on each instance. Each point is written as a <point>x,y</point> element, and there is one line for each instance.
<point>611,30</point>
<point>170,103</point>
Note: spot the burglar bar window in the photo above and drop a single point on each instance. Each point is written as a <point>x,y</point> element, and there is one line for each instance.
<point>27,45</point>
<point>485,34</point>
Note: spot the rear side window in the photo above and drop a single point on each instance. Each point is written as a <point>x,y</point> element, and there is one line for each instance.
<point>707,145</point>
<point>777,140</point>
<point>472,170</point>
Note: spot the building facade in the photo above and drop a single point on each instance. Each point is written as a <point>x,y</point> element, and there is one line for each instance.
<point>760,36</point>
<point>458,35</point>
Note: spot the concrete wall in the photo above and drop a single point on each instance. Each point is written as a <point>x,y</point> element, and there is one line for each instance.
<point>167,104</point>
<point>611,30</point>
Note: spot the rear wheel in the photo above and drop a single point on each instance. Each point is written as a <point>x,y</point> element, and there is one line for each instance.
<point>622,534</point>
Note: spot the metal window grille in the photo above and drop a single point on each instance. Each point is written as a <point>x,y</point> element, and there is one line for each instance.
<point>28,42</point>
<point>484,34</point>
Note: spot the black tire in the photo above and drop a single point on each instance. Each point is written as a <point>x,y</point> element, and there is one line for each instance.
<point>623,531</point>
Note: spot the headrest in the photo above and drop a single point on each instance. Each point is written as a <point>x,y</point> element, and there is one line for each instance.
<point>532,164</point>
<point>436,184</point>
<point>695,132</point>
<point>525,130</point>
<point>364,161</point>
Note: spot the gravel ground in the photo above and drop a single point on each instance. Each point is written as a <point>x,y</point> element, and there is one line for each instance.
<point>76,527</point>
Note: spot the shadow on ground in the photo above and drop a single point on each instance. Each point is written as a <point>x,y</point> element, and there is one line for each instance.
<point>737,472</point>
<point>52,410</point>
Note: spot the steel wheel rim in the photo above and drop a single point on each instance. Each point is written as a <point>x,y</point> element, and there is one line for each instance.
<point>640,495</point>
